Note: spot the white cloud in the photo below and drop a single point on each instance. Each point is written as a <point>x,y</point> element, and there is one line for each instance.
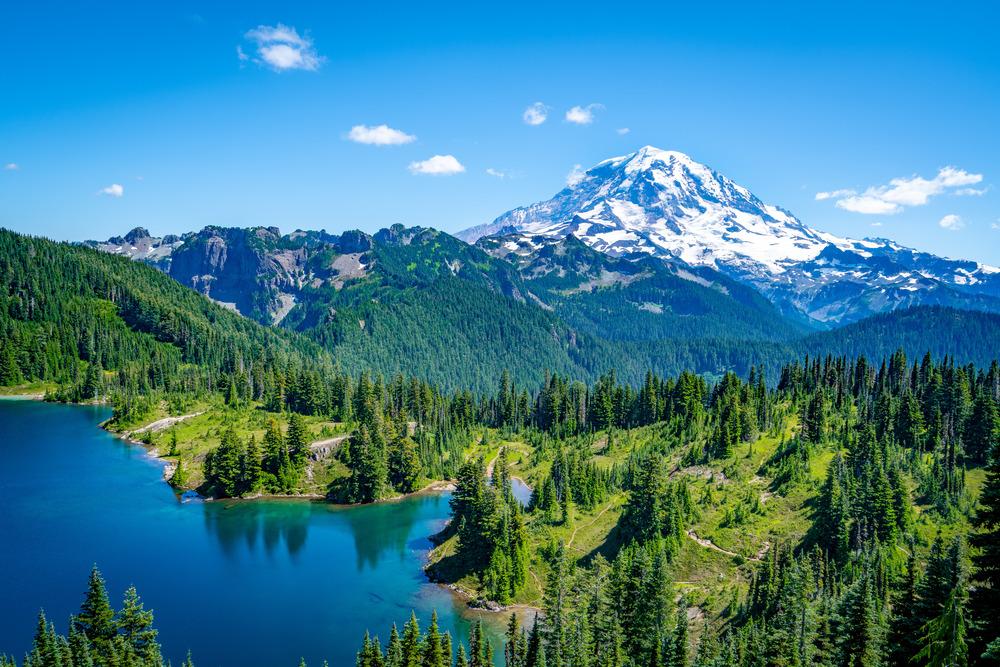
<point>623,130</point>
<point>952,222</point>
<point>282,48</point>
<point>438,165</point>
<point>903,192</point>
<point>535,114</point>
<point>582,115</point>
<point>379,135</point>
<point>496,173</point>
<point>834,194</point>
<point>869,205</point>
<point>575,175</point>
<point>877,224</point>
<point>995,225</point>
<point>11,166</point>
<point>114,190</point>
<point>971,192</point>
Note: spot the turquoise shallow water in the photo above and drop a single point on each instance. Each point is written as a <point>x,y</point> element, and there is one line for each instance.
<point>240,583</point>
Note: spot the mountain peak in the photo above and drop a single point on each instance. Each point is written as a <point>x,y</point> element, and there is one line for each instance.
<point>665,204</point>
<point>646,156</point>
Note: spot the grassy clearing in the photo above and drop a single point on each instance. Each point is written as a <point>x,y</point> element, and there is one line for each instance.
<point>200,433</point>
<point>28,389</point>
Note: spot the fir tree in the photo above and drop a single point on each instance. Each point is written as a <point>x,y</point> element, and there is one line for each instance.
<point>135,623</point>
<point>96,619</point>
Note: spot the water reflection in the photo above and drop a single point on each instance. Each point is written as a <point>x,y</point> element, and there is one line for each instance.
<point>521,491</point>
<point>270,523</point>
<point>378,531</point>
<point>80,496</point>
<point>383,529</point>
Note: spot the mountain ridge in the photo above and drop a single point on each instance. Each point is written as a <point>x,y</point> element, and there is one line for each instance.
<point>664,204</point>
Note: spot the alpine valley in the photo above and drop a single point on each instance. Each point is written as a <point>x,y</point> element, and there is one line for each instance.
<point>649,261</point>
<point>342,334</point>
<point>653,420</point>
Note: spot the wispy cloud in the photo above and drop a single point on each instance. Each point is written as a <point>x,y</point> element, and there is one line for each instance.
<point>114,190</point>
<point>11,166</point>
<point>536,114</point>
<point>834,194</point>
<point>869,205</point>
<point>952,222</point>
<point>972,192</point>
<point>623,131</point>
<point>575,175</point>
<point>904,192</point>
<point>582,115</point>
<point>379,135</point>
<point>438,165</point>
<point>281,48</point>
<point>496,173</point>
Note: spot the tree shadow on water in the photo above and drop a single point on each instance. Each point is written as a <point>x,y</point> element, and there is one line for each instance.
<point>381,529</point>
<point>249,524</point>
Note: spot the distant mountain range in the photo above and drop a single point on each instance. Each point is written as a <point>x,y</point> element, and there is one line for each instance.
<point>650,261</point>
<point>664,204</point>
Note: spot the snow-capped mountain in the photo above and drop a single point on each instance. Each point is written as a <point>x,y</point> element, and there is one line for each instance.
<point>665,204</point>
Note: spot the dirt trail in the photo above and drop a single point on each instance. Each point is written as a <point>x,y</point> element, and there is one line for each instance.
<point>569,545</point>
<point>709,544</point>
<point>164,423</point>
<point>329,442</point>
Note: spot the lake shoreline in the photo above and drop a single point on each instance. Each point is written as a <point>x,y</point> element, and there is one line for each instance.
<point>435,486</point>
<point>471,601</point>
<point>103,497</point>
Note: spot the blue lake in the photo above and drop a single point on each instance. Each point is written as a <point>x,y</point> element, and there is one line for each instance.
<point>237,583</point>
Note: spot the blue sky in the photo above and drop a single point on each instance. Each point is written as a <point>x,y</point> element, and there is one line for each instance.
<point>241,113</point>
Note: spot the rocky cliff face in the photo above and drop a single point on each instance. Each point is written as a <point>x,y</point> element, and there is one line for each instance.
<point>257,271</point>
<point>235,267</point>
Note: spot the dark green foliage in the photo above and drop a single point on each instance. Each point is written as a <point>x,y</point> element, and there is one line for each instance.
<point>88,312</point>
<point>96,619</point>
<point>490,527</point>
<point>657,508</point>
<point>98,636</point>
<point>985,601</point>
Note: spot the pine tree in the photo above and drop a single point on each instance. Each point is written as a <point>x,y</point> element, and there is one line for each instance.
<point>297,441</point>
<point>411,656</point>
<point>512,656</point>
<point>433,653</point>
<point>96,619</point>
<point>394,651</point>
<point>985,596</point>
<point>943,638</point>
<point>79,646</point>
<point>369,467</point>
<point>679,642</point>
<point>222,468</point>
<point>644,514</point>
<point>250,468</point>
<point>10,372</point>
<point>983,429</point>
<point>480,651</point>
<point>135,623</point>
<point>861,622</point>
<point>404,464</point>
